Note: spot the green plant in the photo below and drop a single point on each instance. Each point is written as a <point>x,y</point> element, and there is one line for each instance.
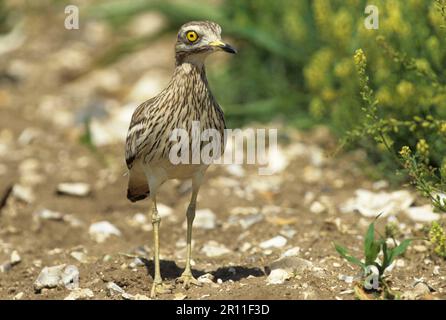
<point>372,248</point>
<point>437,237</point>
<point>419,166</point>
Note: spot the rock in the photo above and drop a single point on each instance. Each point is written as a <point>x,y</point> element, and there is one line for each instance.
<point>18,296</point>
<point>137,262</point>
<point>128,296</point>
<point>15,258</point>
<point>205,219</point>
<point>288,232</point>
<point>246,221</point>
<point>61,275</point>
<point>276,242</point>
<point>436,270</point>
<point>22,193</point>
<point>292,263</point>
<point>112,129</point>
<point>80,294</point>
<point>77,189</point>
<point>79,256</point>
<point>214,249</point>
<point>422,214</point>
<point>293,252</point>
<point>100,231</point>
<point>206,278</point>
<point>46,214</point>
<point>163,210</point>
<point>244,211</point>
<point>317,207</point>
<point>370,204</point>
<point>113,289</point>
<point>421,290</point>
<point>179,296</point>
<point>5,267</point>
<point>278,276</point>
<point>147,86</point>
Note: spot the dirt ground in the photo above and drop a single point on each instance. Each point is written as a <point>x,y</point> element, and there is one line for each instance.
<point>41,94</point>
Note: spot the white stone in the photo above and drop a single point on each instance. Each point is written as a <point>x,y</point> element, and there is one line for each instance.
<point>205,219</point>
<point>61,275</point>
<point>278,276</point>
<point>370,204</point>
<point>293,252</point>
<point>15,258</point>
<point>163,210</point>
<point>113,288</point>
<point>46,214</point>
<point>422,214</point>
<point>23,193</point>
<point>276,242</point>
<point>77,189</point>
<point>80,294</point>
<point>317,207</point>
<point>206,278</point>
<point>214,249</point>
<point>100,231</point>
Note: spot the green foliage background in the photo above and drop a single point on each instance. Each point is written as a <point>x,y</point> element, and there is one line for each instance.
<point>296,63</point>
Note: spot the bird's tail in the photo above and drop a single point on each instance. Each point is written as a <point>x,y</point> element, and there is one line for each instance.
<point>138,189</point>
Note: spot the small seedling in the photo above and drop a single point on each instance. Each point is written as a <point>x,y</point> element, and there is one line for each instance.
<point>373,267</point>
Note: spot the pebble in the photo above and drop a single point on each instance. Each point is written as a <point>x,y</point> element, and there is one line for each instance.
<point>317,207</point>
<point>113,288</point>
<point>205,219</point>
<point>293,252</point>
<point>77,189</point>
<point>206,278</point>
<point>79,256</point>
<point>80,294</point>
<point>24,194</point>
<point>276,242</point>
<point>436,271</point>
<point>279,276</point>
<point>214,249</point>
<point>46,214</point>
<point>100,231</point>
<point>18,296</point>
<point>179,296</point>
<point>369,203</point>
<point>422,214</point>
<point>288,232</point>
<point>15,258</point>
<point>163,210</point>
<point>61,275</point>
<point>128,296</point>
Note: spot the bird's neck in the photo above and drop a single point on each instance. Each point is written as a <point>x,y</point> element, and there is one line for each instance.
<point>192,75</point>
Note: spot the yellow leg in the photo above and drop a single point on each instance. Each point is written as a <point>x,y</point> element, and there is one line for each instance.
<point>157,286</point>
<point>186,277</point>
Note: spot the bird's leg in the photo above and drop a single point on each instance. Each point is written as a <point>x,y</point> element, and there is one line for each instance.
<point>157,286</point>
<point>186,277</point>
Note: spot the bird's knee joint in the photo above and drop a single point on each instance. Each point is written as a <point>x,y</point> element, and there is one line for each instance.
<point>190,214</point>
<point>156,218</point>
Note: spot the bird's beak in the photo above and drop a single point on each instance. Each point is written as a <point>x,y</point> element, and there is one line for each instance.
<point>223,46</point>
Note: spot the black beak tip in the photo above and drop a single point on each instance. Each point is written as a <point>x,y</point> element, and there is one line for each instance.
<point>229,49</point>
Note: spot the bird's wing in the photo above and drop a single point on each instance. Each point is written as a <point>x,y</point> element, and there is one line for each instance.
<point>137,133</point>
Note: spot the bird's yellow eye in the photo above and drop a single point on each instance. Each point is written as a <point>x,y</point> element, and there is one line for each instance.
<point>192,36</point>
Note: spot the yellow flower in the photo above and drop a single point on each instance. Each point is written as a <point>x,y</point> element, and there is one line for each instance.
<point>423,148</point>
<point>405,151</point>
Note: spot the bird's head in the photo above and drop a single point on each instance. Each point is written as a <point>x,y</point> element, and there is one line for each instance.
<point>197,39</point>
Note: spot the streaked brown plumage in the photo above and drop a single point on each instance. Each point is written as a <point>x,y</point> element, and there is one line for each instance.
<point>186,98</point>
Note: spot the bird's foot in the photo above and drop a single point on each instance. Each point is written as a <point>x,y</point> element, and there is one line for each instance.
<point>187,280</point>
<point>159,287</point>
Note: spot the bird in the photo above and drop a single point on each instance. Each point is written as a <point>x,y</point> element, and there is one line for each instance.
<point>186,99</point>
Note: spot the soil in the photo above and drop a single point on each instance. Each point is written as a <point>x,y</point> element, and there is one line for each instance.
<point>55,155</point>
